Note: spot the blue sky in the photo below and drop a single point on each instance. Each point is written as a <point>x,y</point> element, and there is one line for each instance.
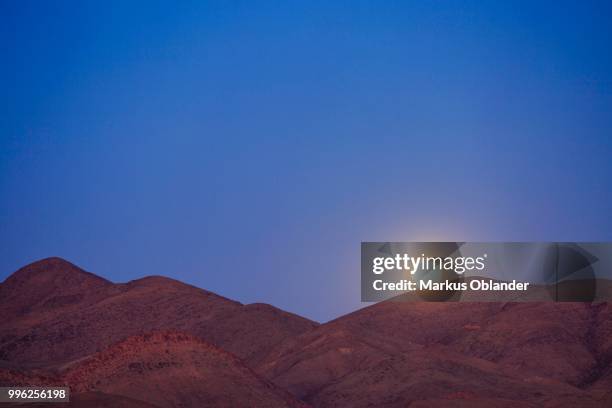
<point>249,147</point>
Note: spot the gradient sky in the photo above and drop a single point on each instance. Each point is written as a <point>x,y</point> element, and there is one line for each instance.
<point>248,148</point>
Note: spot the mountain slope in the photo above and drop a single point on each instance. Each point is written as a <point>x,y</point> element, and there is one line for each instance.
<point>398,353</point>
<point>59,313</point>
<point>170,369</point>
<point>163,369</point>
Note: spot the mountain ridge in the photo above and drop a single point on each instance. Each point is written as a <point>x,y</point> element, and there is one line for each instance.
<point>391,353</point>
<point>95,313</point>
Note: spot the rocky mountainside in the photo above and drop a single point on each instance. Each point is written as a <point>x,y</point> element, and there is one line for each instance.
<point>158,342</point>
<point>397,353</point>
<point>56,312</point>
<point>161,369</point>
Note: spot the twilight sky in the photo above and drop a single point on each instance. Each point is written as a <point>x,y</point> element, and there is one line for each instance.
<point>249,147</point>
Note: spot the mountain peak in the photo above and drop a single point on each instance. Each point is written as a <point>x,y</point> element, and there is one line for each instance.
<point>48,283</point>
<point>51,268</point>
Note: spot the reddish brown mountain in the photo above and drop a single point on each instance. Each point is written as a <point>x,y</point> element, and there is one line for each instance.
<point>153,367</point>
<point>48,286</point>
<point>163,369</point>
<point>63,325</point>
<point>451,354</point>
<point>56,312</point>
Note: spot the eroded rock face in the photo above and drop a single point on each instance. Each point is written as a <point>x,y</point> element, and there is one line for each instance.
<point>170,369</point>
<point>163,369</point>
